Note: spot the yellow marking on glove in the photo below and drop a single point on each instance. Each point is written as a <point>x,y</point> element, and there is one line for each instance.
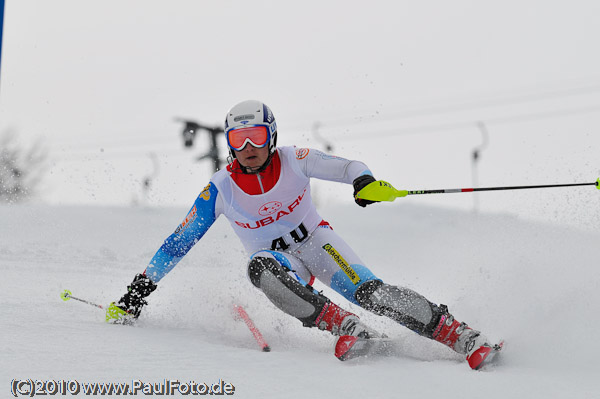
<point>380,191</point>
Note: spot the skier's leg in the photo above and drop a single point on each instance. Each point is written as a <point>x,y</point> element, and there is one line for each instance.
<point>283,279</point>
<point>417,313</point>
<point>401,304</point>
<point>332,260</point>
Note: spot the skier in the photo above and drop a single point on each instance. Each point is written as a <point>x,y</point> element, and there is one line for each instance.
<point>265,194</point>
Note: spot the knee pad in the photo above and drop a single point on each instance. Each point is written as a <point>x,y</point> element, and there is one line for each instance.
<point>284,291</point>
<point>403,305</point>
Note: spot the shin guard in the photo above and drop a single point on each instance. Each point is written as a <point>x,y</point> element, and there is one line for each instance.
<point>403,305</point>
<point>285,292</point>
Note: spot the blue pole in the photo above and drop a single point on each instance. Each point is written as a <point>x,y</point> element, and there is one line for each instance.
<point>1,29</point>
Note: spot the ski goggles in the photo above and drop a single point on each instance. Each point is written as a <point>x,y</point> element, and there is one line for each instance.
<point>258,136</point>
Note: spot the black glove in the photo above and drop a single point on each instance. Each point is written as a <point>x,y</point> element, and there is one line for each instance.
<point>359,183</point>
<point>133,301</point>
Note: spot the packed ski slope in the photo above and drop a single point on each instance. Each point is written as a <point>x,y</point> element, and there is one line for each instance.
<point>535,285</point>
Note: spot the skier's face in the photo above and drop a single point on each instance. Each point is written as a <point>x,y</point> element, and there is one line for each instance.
<point>252,157</point>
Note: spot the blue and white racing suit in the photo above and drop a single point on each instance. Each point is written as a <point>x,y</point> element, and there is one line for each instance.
<point>281,222</point>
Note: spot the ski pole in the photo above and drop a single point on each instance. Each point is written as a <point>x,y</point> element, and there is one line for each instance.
<point>239,311</point>
<point>383,191</point>
<point>66,295</point>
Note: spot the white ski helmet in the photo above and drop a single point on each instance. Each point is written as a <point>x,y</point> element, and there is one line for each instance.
<point>251,113</point>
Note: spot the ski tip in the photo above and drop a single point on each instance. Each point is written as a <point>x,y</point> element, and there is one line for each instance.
<point>484,355</point>
<point>343,346</point>
<point>598,183</point>
<point>65,295</point>
<point>477,359</point>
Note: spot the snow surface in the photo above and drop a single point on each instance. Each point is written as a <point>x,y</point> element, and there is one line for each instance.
<point>535,285</point>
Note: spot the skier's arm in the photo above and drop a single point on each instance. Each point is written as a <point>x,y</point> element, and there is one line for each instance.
<point>315,163</point>
<point>197,222</point>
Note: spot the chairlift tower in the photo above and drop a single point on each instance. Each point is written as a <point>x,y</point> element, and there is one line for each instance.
<point>191,128</point>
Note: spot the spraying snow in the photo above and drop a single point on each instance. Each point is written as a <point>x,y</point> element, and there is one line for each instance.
<point>535,285</point>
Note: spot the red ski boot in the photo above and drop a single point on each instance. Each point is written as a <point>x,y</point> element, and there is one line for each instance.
<point>339,321</point>
<point>348,326</point>
<point>463,340</point>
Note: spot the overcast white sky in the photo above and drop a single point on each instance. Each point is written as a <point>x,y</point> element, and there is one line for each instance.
<point>399,85</point>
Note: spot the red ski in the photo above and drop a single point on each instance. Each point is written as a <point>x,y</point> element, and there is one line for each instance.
<point>484,355</point>
<point>350,347</point>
